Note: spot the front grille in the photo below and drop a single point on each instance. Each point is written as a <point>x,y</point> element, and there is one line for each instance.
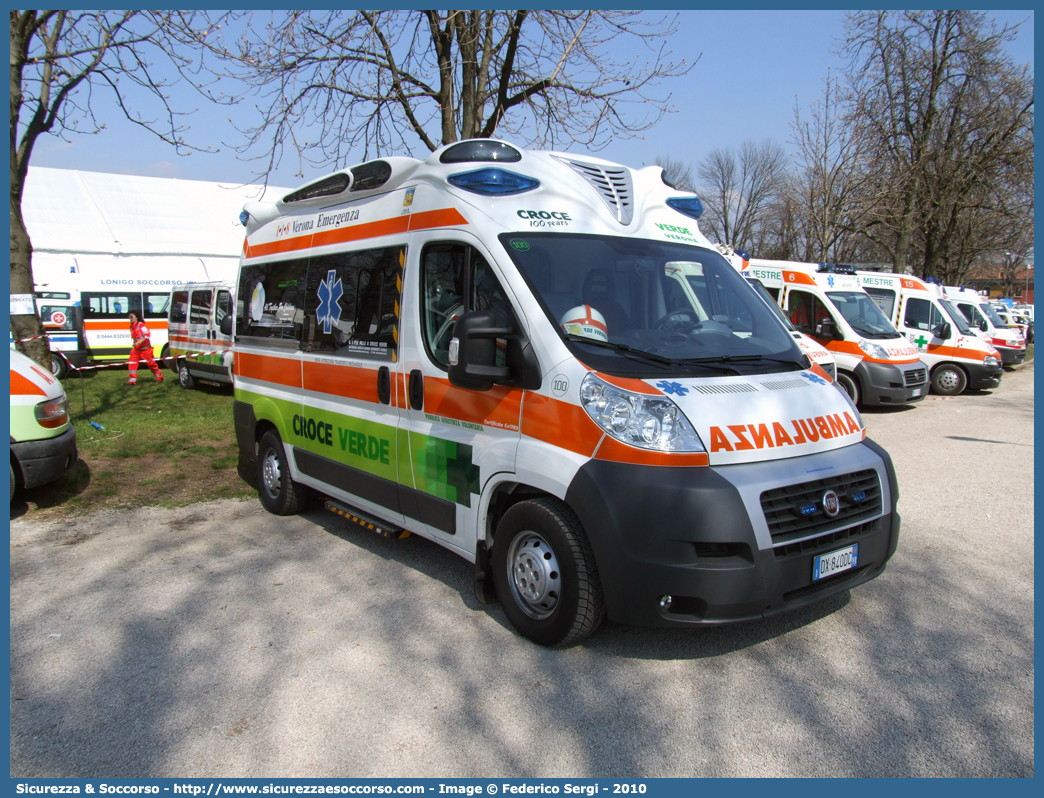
<point>825,584</point>
<point>831,540</point>
<point>782,506</point>
<point>915,377</point>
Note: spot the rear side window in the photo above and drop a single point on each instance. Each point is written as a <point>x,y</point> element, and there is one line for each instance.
<point>199,307</point>
<point>179,307</point>
<point>56,317</point>
<point>156,305</point>
<point>351,303</point>
<point>271,300</point>
<point>116,305</point>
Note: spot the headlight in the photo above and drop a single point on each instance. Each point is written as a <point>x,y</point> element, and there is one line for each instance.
<point>990,360</point>
<point>874,350</point>
<point>648,422</point>
<point>53,413</point>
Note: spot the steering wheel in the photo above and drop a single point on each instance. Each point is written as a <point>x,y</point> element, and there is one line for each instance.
<point>684,320</point>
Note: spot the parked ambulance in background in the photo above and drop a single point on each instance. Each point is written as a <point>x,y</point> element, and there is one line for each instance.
<point>956,357</point>
<point>486,348</point>
<point>875,364</point>
<point>199,350</point>
<point>985,322</point>
<point>43,441</point>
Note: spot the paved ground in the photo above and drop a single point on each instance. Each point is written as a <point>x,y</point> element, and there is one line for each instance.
<point>218,640</point>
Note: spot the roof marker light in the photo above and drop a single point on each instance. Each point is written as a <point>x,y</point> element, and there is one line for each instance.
<point>480,150</point>
<point>690,206</point>
<point>493,182</point>
<point>244,217</point>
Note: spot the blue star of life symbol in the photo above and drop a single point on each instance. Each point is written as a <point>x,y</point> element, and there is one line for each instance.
<point>329,311</point>
<point>672,387</point>
<point>808,375</point>
<point>830,281</point>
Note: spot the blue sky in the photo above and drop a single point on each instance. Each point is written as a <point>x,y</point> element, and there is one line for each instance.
<point>754,66</point>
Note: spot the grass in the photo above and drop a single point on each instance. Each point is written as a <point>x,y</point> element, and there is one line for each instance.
<point>161,445</point>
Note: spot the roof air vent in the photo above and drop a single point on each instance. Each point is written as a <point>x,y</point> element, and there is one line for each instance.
<point>328,186</point>
<point>613,184</point>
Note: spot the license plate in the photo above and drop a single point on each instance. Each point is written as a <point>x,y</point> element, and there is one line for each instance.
<point>836,561</point>
<point>916,392</point>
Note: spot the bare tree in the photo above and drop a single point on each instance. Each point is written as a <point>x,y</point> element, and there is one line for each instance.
<point>940,113</point>
<point>62,64</point>
<point>334,82</point>
<point>739,190</point>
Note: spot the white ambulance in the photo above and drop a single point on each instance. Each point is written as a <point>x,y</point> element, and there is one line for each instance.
<point>875,364</point>
<point>956,357</point>
<point>486,348</point>
<point>199,348</point>
<point>987,325</point>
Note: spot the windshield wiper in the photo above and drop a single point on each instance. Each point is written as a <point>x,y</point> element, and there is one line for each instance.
<point>624,349</point>
<point>712,362</point>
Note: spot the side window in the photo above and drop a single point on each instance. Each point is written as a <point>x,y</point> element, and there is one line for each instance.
<point>445,268</point>
<point>918,314</point>
<point>271,300</point>
<point>352,303</point>
<point>224,306</point>
<point>806,311</point>
<point>884,298</point>
<point>98,305</point>
<point>156,305</point>
<point>56,317</point>
<point>179,307</point>
<point>199,308</point>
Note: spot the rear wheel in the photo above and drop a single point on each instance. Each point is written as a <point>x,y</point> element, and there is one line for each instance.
<point>185,379</point>
<point>59,368</point>
<point>949,380</point>
<point>545,573</point>
<point>279,493</point>
<point>851,386</point>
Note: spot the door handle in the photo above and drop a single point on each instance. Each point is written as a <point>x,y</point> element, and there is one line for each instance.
<point>384,385</point>
<point>416,390</point>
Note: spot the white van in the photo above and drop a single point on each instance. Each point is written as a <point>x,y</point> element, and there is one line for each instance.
<point>956,357</point>
<point>199,349</point>
<point>485,348</point>
<point>875,364</point>
<point>43,440</point>
<point>989,326</point>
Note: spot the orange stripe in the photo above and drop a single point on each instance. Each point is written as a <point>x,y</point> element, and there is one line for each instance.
<point>184,339</point>
<point>957,351</point>
<point>635,386</point>
<point>818,371</point>
<point>278,370</point>
<point>425,220</point>
<point>497,407</point>
<point>22,386</point>
<point>619,452</point>
<point>799,278</point>
<point>107,325</point>
<point>852,348</point>
<point>400,399</point>
<point>559,423</point>
<point>347,381</point>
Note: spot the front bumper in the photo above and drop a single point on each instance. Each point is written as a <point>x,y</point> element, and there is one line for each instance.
<point>892,383</point>
<point>1011,357</point>
<point>709,546</point>
<point>981,377</point>
<point>45,460</point>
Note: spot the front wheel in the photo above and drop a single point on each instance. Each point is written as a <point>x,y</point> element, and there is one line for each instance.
<point>949,380</point>
<point>185,379</point>
<point>848,382</point>
<point>545,573</point>
<point>279,493</point>
<point>59,368</point>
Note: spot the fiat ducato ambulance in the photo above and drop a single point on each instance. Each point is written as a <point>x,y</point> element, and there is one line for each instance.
<point>43,440</point>
<point>199,349</point>
<point>957,359</point>
<point>875,364</point>
<point>487,348</point>
<point>986,324</point>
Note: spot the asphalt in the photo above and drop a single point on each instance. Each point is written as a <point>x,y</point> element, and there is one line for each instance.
<point>218,641</point>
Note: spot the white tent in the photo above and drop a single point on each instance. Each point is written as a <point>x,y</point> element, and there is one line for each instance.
<point>107,229</point>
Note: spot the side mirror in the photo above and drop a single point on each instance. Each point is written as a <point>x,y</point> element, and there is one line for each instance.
<point>827,329</point>
<point>984,326</point>
<point>473,352</point>
<point>943,331</point>
<point>226,325</point>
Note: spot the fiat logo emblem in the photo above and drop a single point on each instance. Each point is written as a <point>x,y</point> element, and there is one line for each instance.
<point>831,504</point>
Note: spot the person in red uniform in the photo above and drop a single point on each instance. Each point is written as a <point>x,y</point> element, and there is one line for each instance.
<point>141,350</point>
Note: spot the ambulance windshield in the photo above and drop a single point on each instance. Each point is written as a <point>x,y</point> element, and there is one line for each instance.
<point>991,314</point>
<point>636,306</point>
<point>863,314</point>
<point>956,317</point>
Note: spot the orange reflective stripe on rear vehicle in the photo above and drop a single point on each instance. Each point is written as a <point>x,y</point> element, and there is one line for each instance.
<point>265,368</point>
<point>559,424</point>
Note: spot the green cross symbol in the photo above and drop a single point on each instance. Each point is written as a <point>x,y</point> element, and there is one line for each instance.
<point>921,341</point>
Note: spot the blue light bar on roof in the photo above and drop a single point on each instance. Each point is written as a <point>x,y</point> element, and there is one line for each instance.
<point>493,182</point>
<point>690,206</point>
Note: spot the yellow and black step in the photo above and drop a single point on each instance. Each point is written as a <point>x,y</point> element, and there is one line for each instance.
<point>365,521</point>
